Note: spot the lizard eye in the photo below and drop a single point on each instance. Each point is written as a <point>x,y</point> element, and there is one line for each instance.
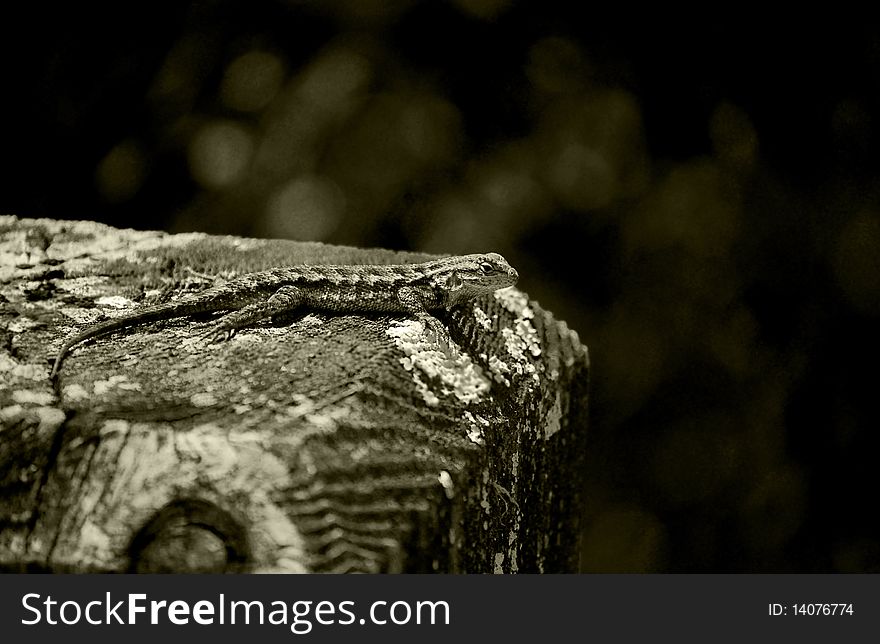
<point>486,267</point>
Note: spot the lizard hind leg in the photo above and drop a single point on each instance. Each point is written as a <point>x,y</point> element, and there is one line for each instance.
<point>284,300</point>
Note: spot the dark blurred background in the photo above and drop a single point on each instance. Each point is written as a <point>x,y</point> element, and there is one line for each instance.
<point>699,202</point>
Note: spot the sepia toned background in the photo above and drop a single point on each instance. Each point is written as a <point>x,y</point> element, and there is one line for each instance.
<point>701,204</point>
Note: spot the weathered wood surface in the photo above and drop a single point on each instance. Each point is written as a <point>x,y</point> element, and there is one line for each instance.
<point>317,443</point>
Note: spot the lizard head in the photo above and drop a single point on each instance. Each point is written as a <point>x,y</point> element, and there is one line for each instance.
<point>470,276</point>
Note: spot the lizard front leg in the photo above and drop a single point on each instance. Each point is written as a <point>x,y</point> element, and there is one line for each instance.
<point>414,304</point>
<point>285,299</point>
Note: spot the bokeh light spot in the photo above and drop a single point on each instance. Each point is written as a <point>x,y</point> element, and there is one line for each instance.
<point>594,149</point>
<point>251,81</point>
<point>121,173</point>
<point>333,78</point>
<point>733,136</point>
<point>220,153</point>
<point>695,209</point>
<point>857,262</point>
<point>584,177</point>
<point>484,9</point>
<point>309,207</point>
<point>429,128</point>
<point>774,508</point>
<point>557,65</point>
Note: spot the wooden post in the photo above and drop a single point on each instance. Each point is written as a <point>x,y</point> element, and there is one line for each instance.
<point>313,444</point>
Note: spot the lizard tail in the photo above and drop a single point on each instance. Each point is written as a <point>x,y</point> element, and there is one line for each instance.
<point>108,326</point>
<point>91,332</point>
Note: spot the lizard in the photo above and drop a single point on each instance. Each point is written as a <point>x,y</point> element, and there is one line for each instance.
<point>414,289</point>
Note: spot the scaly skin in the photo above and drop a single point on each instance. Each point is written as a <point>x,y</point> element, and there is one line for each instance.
<point>415,289</point>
